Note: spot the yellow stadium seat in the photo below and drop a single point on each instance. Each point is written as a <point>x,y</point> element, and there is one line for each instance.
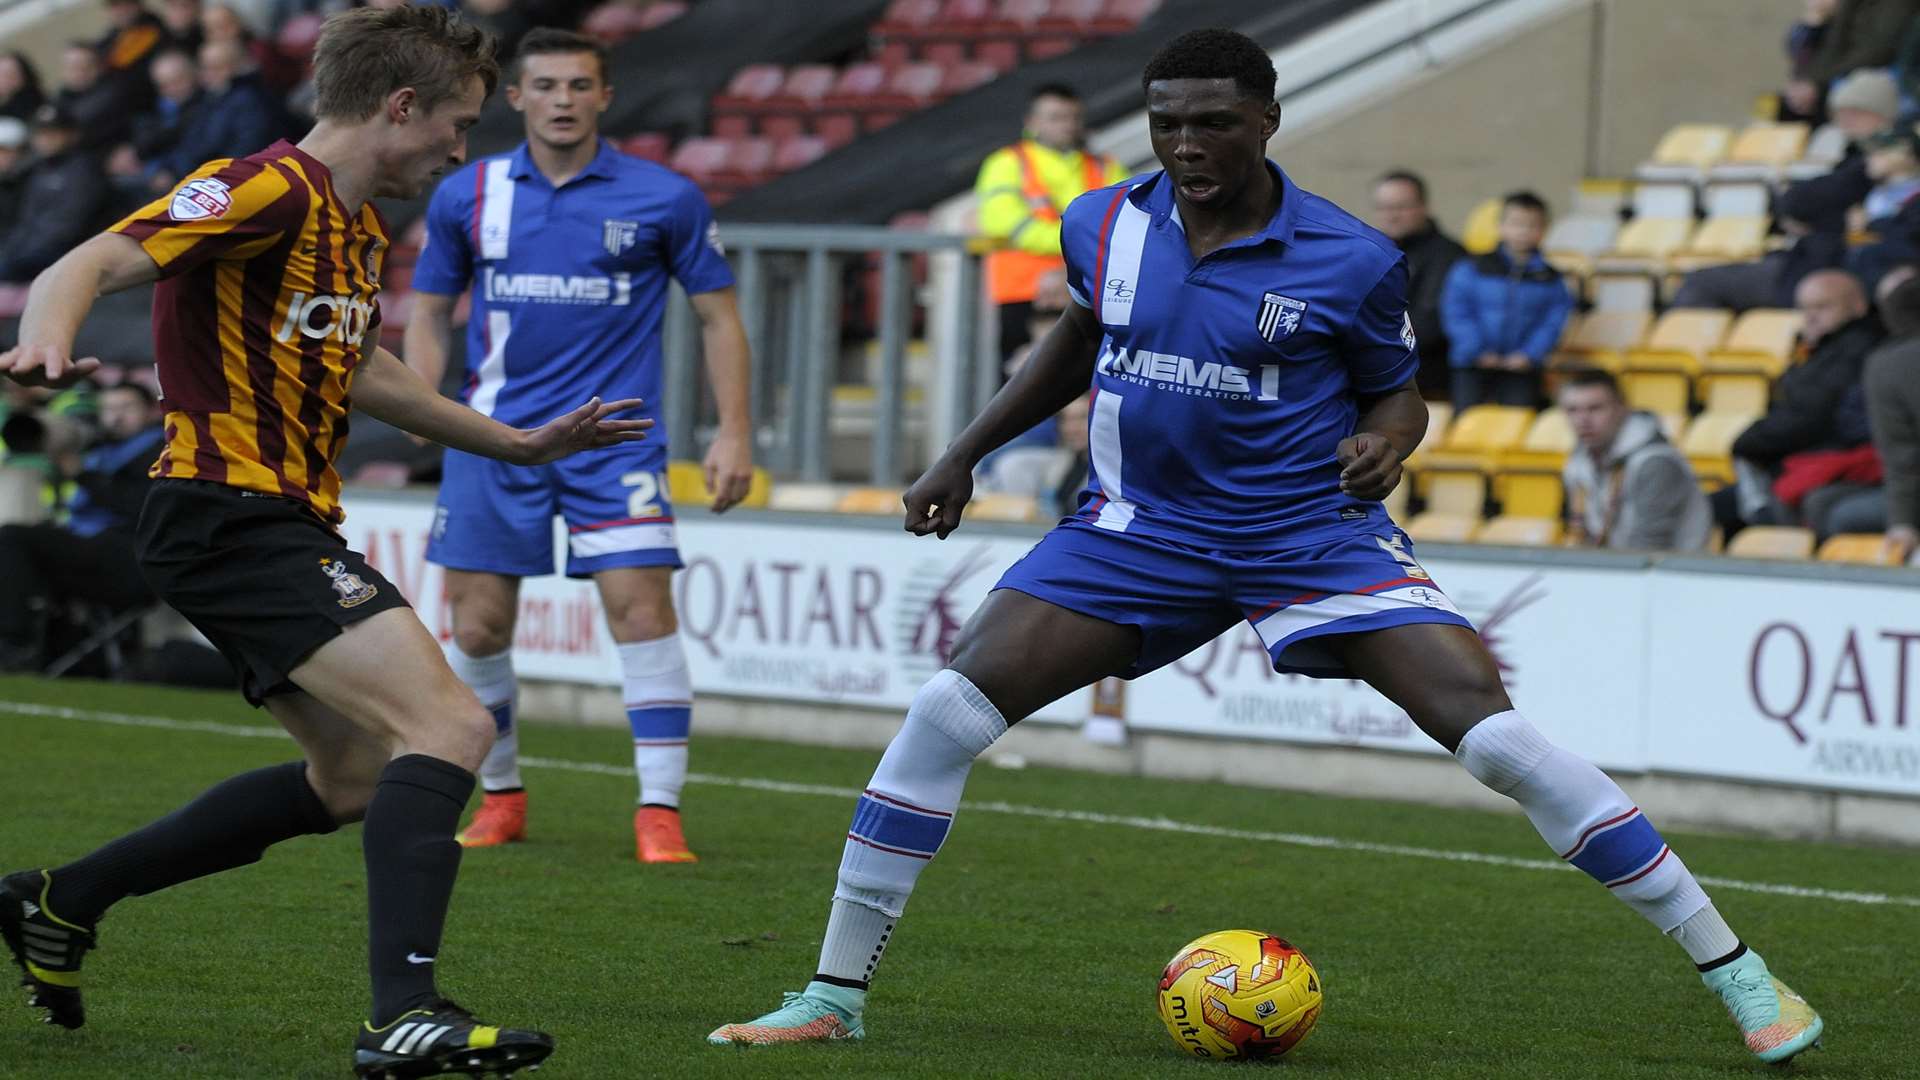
<point>868,500</point>
<point>1748,393</point>
<point>1762,149</point>
<point>1574,242</point>
<point>1708,444</point>
<point>1672,425</point>
<point>1687,151</point>
<point>1601,339</point>
<point>1453,493</point>
<point>1869,548</point>
<point>1528,481</point>
<point>1622,292</point>
<point>1000,506</point>
<point>1761,340</point>
<point>1772,542</point>
<point>1723,240</point>
<point>1645,245</point>
<point>1519,531</point>
<point>1482,231</point>
<point>1601,197</point>
<point>1660,371</point>
<point>687,486</point>
<point>1479,436</point>
<point>1434,527</point>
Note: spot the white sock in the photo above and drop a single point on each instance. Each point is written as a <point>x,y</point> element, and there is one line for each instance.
<point>659,697</point>
<point>901,821</point>
<point>1706,936</point>
<point>1585,816</point>
<point>492,681</point>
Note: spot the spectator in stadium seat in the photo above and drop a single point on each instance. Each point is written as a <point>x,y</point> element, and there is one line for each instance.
<point>1400,211</point>
<point>182,20</point>
<point>1893,404</point>
<point>1627,486</point>
<point>126,49</point>
<point>13,169</point>
<point>20,93</point>
<point>1813,212</point>
<point>1810,400</point>
<point>235,117</point>
<point>62,198</point>
<point>1861,34</point>
<point>98,106</point>
<point>91,556</point>
<point>179,100</point>
<point>1504,312</point>
<point>277,73</point>
<point>1890,213</point>
<point>1801,98</point>
<point>1021,192</point>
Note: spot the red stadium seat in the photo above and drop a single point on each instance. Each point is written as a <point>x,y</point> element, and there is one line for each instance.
<point>751,86</point>
<point>837,129</point>
<point>1121,16</point>
<point>946,53</point>
<point>961,78</point>
<point>964,17</point>
<point>803,90</point>
<point>660,13</point>
<point>649,145</point>
<point>1071,16</point>
<point>1048,46</point>
<point>856,85</point>
<point>907,17</point>
<point>1019,16</point>
<point>701,157</point>
<point>798,152</point>
<point>1003,54</point>
<point>749,161</point>
<point>912,86</point>
<point>782,127</point>
<point>13,301</point>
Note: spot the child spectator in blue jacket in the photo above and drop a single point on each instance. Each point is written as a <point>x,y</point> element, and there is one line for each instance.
<point>1504,311</point>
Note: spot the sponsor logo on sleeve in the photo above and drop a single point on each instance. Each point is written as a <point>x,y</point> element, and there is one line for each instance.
<point>201,200</point>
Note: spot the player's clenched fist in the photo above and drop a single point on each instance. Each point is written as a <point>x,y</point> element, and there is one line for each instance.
<point>44,365</point>
<point>1369,466</point>
<point>935,500</point>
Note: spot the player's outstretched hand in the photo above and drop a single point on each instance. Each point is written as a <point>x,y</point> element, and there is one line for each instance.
<point>585,428</point>
<point>44,365</point>
<point>729,469</point>
<point>935,501</point>
<point>1369,466</point>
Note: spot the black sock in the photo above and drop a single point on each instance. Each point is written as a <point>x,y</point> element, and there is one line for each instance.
<point>412,858</point>
<point>231,824</point>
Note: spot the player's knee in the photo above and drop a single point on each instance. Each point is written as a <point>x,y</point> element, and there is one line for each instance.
<point>484,636</point>
<point>344,789</point>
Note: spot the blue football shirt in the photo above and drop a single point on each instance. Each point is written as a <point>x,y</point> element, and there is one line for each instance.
<point>569,283</point>
<point>1224,386</point>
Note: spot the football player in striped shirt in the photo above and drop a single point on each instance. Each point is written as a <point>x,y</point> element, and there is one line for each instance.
<point>1251,365</point>
<point>266,324</point>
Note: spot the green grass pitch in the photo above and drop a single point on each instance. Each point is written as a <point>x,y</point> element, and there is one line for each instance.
<point>1031,948</point>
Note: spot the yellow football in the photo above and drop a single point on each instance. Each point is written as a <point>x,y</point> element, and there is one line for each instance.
<point>1239,994</point>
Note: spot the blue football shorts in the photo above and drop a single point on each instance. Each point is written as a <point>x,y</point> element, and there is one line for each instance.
<point>497,518</point>
<point>1182,597</point>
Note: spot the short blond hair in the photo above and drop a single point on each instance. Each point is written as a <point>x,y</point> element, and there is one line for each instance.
<point>367,53</point>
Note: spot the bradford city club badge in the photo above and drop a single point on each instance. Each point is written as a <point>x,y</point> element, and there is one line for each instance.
<point>352,589</point>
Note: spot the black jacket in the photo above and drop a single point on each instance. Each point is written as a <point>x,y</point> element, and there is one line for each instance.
<point>60,205</point>
<point>1430,255</point>
<point>1808,400</point>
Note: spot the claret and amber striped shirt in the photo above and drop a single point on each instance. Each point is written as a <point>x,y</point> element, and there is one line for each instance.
<point>265,307</point>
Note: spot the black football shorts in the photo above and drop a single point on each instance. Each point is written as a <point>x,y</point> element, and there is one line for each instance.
<point>260,575</point>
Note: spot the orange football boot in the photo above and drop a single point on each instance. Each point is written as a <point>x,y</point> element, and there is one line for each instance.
<point>502,819</point>
<point>657,836</point>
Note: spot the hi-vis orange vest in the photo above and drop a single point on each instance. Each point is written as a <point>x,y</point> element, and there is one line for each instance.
<point>1014,275</point>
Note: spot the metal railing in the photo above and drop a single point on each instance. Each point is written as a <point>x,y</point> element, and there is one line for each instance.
<point>790,280</point>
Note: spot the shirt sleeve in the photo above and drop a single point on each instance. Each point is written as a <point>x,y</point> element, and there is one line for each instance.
<point>693,245</point>
<point>225,209</point>
<point>1379,343</point>
<point>1077,244</point>
<point>445,266</point>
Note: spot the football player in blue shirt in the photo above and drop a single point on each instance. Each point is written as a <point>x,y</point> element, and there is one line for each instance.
<point>1252,368</point>
<point>567,245</point>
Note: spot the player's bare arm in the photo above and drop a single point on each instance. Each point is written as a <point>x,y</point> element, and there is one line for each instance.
<point>58,303</point>
<point>729,463</point>
<point>1389,428</point>
<point>388,390</point>
<point>429,336</point>
<point>1059,369</point>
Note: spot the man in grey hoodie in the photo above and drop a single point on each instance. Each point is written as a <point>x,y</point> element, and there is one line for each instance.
<point>1627,486</point>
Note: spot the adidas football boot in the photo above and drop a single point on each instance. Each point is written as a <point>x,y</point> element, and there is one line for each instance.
<point>445,1039</point>
<point>47,947</point>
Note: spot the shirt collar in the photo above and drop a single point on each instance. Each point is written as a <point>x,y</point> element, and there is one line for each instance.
<point>1156,197</point>
<point>602,166</point>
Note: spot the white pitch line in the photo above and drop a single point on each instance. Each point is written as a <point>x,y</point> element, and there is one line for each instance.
<point>1087,817</point>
